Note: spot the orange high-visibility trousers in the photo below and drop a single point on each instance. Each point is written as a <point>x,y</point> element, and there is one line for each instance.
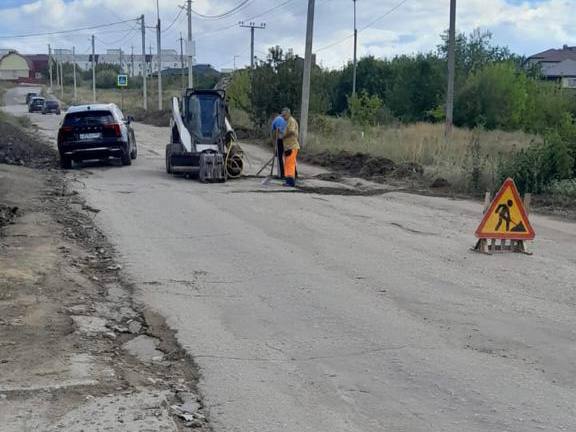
<point>290,164</point>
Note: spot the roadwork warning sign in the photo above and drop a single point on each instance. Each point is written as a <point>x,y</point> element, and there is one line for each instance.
<point>506,217</point>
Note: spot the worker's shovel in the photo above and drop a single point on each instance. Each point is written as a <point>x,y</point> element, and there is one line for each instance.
<point>268,178</point>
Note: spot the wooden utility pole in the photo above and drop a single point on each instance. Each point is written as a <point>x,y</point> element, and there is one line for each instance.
<point>307,72</point>
<point>181,61</point>
<point>451,70</point>
<point>93,72</point>
<point>144,68</point>
<point>159,45</point>
<point>57,70</point>
<point>252,26</point>
<point>74,73</point>
<point>61,77</point>
<point>355,51</point>
<point>190,48</point>
<point>121,60</point>
<point>50,64</point>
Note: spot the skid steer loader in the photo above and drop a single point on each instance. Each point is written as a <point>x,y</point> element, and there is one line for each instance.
<point>202,142</point>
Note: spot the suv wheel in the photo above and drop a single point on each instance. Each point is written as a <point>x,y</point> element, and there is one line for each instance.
<point>169,158</point>
<point>134,152</point>
<point>125,158</point>
<point>65,162</point>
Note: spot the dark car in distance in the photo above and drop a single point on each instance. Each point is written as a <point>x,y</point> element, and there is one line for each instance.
<point>51,106</point>
<point>30,96</point>
<point>96,131</point>
<point>36,104</point>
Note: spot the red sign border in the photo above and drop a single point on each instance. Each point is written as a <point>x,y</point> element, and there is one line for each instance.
<point>529,235</point>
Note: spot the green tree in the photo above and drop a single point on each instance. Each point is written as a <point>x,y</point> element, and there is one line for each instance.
<point>495,97</point>
<point>364,108</point>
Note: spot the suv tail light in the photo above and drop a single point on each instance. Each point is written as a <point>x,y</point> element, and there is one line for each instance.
<point>113,127</point>
<point>64,132</point>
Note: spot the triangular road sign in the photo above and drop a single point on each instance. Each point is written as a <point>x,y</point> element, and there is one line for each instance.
<point>506,217</point>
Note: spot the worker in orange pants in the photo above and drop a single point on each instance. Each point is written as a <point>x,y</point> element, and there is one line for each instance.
<point>291,147</point>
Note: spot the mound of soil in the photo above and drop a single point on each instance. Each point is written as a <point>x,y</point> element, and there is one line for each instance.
<point>357,164</point>
<point>20,147</point>
<point>154,118</point>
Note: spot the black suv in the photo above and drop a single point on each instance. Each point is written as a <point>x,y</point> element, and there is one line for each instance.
<point>30,96</point>
<point>36,104</point>
<point>51,106</point>
<point>96,131</point>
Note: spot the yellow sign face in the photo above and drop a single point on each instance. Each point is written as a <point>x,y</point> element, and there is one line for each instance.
<point>506,217</point>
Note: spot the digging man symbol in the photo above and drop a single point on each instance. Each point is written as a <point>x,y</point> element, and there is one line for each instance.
<point>503,212</point>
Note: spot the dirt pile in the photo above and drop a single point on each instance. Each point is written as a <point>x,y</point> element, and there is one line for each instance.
<point>19,146</point>
<point>362,164</point>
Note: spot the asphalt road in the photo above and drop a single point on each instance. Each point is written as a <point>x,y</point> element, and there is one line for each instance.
<point>323,312</point>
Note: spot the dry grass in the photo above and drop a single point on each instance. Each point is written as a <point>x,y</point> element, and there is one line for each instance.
<point>422,143</point>
<point>133,99</point>
<point>5,85</point>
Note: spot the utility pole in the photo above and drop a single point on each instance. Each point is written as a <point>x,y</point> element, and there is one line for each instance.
<point>235,57</point>
<point>190,46</point>
<point>74,73</point>
<point>61,78</point>
<point>181,61</point>
<point>355,50</point>
<point>132,60</point>
<point>121,62</point>
<point>159,43</point>
<point>144,71</point>
<point>50,64</point>
<point>93,72</point>
<point>307,73</point>
<point>252,26</point>
<point>451,70</point>
<point>57,71</point>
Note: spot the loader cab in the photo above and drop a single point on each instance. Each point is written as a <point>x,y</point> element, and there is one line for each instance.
<point>204,113</point>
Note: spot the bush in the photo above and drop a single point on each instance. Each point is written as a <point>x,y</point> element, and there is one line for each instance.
<point>364,109</point>
<point>563,188</point>
<point>106,79</point>
<point>536,168</point>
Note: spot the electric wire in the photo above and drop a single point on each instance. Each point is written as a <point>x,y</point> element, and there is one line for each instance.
<point>367,26</point>
<point>226,14</point>
<point>235,25</point>
<point>75,30</point>
<point>173,21</point>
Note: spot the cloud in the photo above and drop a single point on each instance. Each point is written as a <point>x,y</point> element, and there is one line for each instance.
<point>525,26</point>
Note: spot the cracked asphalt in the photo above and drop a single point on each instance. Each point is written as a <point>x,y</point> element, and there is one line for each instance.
<point>320,312</point>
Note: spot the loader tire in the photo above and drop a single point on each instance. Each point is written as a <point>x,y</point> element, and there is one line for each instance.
<point>169,158</point>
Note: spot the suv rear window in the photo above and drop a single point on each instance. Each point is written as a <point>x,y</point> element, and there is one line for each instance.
<point>51,103</point>
<point>88,118</point>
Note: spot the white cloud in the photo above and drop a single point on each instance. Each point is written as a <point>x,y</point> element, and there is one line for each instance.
<point>414,27</point>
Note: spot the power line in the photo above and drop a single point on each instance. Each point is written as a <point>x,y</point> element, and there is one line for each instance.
<point>235,25</point>
<point>226,14</point>
<point>75,30</point>
<point>124,38</point>
<point>370,24</point>
<point>173,21</point>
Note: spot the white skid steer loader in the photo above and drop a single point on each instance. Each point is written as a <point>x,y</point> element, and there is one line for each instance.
<point>202,142</point>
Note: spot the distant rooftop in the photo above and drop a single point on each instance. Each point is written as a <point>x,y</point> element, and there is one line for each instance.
<point>555,55</point>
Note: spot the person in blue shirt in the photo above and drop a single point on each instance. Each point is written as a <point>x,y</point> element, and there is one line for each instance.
<point>278,129</point>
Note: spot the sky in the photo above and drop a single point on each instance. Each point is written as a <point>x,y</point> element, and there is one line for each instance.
<point>386,27</point>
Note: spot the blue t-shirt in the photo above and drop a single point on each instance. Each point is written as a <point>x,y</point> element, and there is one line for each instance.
<point>279,124</point>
